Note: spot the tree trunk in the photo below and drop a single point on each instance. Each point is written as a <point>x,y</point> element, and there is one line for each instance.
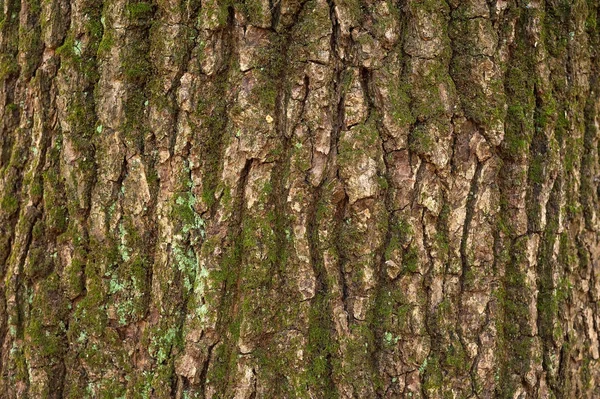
<point>299,199</point>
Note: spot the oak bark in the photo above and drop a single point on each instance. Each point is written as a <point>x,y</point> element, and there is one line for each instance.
<point>299,199</point>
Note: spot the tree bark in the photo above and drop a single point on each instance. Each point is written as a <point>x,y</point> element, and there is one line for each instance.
<point>299,199</point>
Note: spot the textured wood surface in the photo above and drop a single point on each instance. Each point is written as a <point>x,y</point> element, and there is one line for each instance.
<point>299,199</point>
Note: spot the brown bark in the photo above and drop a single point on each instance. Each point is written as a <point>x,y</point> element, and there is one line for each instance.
<point>299,198</point>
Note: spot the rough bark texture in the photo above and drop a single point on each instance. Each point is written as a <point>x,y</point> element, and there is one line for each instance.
<point>299,199</point>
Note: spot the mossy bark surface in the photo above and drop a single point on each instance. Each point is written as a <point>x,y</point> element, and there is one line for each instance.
<point>299,199</point>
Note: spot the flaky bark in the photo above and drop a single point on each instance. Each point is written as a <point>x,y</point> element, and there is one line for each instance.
<point>299,199</point>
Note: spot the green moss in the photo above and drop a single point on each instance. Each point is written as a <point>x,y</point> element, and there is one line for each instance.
<point>21,368</point>
<point>410,259</point>
<point>162,378</point>
<point>215,10</point>
<point>516,343</point>
<point>483,105</point>
<point>43,330</point>
<point>36,189</point>
<point>90,313</point>
<point>141,386</point>
<point>400,103</point>
<point>110,389</point>
<point>30,43</point>
<point>546,115</point>
<point>8,66</point>
<point>274,370</point>
<point>442,240</point>
<point>39,264</point>
<point>253,9</point>
<point>426,99</point>
<point>313,18</point>
<point>455,358</point>
<point>44,342</point>
<point>95,28</point>
<point>390,314</point>
<point>420,140</point>
<point>432,375</point>
<point>272,61</point>
<point>57,218</point>
<point>556,26</point>
<point>355,9</point>
<point>519,87</point>
<point>74,283</point>
<point>136,67</point>
<point>536,169</point>
<point>361,141</point>
<point>70,50</point>
<point>400,235</point>
<point>9,204</point>
<point>360,347</point>
<point>11,107</point>
<point>321,346</point>
<point>106,43</point>
<point>517,141</point>
<point>212,109</point>
<point>33,6</point>
<point>139,10</point>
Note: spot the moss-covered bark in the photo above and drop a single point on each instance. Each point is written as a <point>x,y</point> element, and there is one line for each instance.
<point>299,199</point>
